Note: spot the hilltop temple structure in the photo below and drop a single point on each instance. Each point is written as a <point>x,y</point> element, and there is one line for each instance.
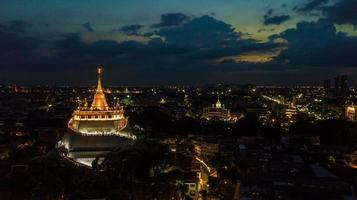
<point>97,129</point>
<point>218,112</point>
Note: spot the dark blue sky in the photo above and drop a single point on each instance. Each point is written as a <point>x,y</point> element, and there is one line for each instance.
<point>141,42</point>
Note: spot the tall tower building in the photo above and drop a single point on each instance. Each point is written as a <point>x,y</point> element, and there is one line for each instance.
<point>337,85</point>
<point>327,86</point>
<point>344,85</point>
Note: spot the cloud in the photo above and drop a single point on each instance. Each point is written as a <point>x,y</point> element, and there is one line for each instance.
<point>317,44</point>
<point>269,19</point>
<point>203,31</point>
<point>171,19</point>
<point>15,42</point>
<point>16,26</point>
<point>343,12</point>
<point>205,43</point>
<point>261,30</point>
<point>276,20</point>
<point>339,12</point>
<point>313,5</point>
<point>72,46</point>
<point>131,29</point>
<point>178,53</point>
<point>265,30</point>
<point>191,48</point>
<point>88,27</point>
<point>270,12</point>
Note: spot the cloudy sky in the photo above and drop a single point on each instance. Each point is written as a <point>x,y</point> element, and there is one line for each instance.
<point>142,42</point>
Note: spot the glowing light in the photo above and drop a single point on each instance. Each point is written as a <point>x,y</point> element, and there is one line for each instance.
<point>204,164</point>
<point>351,113</point>
<point>100,111</point>
<point>253,57</point>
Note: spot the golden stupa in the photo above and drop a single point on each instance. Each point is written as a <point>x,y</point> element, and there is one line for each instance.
<point>95,130</point>
<point>99,118</point>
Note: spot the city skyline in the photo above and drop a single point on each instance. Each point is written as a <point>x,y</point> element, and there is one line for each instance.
<point>177,42</point>
<point>178,99</point>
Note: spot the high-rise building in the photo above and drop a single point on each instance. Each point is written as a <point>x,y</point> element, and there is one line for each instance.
<point>341,85</point>
<point>344,85</point>
<point>337,86</point>
<point>327,86</point>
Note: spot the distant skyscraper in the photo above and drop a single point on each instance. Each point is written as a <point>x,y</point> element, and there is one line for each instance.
<point>337,85</point>
<point>327,86</point>
<point>344,85</point>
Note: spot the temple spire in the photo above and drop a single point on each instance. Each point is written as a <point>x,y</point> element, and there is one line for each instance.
<point>99,101</point>
<point>218,103</point>
<point>99,85</point>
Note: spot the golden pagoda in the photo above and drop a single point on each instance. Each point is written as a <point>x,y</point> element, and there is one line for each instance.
<point>99,118</point>
<point>95,130</point>
<point>99,102</point>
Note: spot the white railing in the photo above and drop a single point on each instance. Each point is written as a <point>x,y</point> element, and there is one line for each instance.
<point>108,133</point>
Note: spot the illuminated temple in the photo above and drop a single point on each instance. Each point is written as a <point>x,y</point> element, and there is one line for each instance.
<point>218,112</point>
<point>96,129</point>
